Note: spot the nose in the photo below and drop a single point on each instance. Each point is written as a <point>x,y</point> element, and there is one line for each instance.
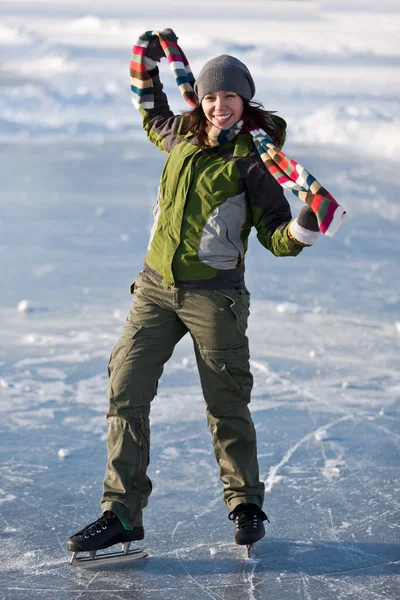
<point>219,103</point>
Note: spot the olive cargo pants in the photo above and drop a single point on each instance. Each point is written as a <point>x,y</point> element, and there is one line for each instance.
<point>157,320</point>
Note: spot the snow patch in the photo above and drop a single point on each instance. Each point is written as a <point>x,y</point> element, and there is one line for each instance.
<point>51,373</point>
<point>100,211</point>
<point>321,435</point>
<point>4,497</point>
<point>64,452</point>
<point>361,128</point>
<point>25,306</point>
<point>170,453</point>
<point>12,35</point>
<point>287,308</point>
<point>331,468</point>
<point>48,66</point>
<point>86,24</point>
<point>43,270</point>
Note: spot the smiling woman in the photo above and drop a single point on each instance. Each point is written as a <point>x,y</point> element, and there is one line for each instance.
<point>210,196</point>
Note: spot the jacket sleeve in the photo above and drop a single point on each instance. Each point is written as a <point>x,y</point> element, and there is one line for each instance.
<point>270,210</point>
<point>161,125</point>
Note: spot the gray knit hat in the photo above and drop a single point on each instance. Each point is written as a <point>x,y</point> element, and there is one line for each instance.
<point>225,74</point>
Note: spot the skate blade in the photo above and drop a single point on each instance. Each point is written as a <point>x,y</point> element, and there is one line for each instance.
<point>111,558</point>
<point>250,550</point>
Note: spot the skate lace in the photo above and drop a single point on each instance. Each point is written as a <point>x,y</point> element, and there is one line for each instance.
<point>246,515</point>
<point>97,526</point>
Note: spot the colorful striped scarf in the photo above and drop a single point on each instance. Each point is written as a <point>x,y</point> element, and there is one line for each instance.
<point>287,172</point>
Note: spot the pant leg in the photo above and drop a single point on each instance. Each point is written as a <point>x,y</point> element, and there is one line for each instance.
<point>148,338</point>
<point>217,322</point>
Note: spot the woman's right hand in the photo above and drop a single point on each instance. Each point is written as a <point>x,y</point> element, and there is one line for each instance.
<point>154,50</point>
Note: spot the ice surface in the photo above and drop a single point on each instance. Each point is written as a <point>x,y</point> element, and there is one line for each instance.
<point>78,184</point>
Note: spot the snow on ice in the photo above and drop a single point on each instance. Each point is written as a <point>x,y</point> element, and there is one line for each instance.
<point>79,180</point>
<point>287,307</point>
<point>321,435</point>
<point>25,306</point>
<point>64,453</point>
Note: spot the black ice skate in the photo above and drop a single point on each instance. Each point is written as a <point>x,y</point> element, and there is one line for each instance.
<point>249,527</point>
<point>103,533</point>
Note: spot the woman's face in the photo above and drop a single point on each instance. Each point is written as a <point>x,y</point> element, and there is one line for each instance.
<point>222,109</point>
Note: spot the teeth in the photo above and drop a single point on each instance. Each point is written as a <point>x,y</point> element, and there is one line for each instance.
<point>222,117</point>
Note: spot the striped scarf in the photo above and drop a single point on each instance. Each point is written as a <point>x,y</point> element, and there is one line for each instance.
<point>287,172</point>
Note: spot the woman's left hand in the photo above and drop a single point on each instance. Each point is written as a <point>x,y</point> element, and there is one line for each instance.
<point>307,219</point>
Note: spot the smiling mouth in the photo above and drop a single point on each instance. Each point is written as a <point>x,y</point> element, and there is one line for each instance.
<point>222,117</point>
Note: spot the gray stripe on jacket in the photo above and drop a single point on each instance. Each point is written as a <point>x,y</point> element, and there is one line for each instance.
<point>220,243</point>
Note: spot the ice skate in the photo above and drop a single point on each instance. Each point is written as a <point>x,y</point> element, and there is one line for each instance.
<point>249,526</point>
<point>103,533</point>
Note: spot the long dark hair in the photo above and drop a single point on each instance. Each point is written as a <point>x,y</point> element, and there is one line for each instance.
<point>194,121</point>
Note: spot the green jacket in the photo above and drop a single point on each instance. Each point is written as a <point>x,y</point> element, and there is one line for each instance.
<point>208,201</point>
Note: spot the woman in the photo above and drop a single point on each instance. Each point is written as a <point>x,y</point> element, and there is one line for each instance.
<point>213,189</point>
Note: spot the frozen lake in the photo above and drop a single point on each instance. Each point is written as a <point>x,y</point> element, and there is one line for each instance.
<point>333,504</point>
<point>78,182</point>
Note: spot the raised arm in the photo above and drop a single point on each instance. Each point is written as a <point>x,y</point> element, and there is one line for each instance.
<point>161,125</point>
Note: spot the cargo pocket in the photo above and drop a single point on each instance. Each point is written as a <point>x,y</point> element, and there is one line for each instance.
<point>137,283</point>
<point>122,349</point>
<point>232,366</point>
<point>238,302</point>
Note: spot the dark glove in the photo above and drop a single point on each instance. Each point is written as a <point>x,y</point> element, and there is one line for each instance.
<point>154,50</point>
<point>307,219</point>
